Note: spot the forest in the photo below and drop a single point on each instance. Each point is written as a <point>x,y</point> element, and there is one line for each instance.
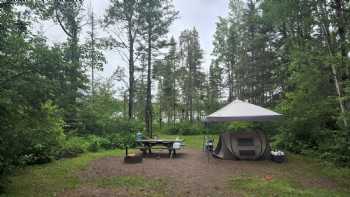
<point>289,56</point>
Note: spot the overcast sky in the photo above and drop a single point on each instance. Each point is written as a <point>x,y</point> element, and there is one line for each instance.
<point>201,14</point>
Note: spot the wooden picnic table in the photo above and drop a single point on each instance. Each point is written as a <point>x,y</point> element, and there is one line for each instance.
<point>147,144</point>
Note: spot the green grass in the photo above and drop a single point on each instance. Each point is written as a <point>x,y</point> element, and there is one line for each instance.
<point>135,185</point>
<point>312,168</point>
<point>49,179</point>
<point>255,186</point>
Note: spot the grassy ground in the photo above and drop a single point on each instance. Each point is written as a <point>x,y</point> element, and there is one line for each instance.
<point>135,185</point>
<point>258,186</point>
<point>53,178</point>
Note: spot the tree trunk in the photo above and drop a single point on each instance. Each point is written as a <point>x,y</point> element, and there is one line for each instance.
<point>124,104</point>
<point>92,56</point>
<point>160,104</point>
<point>230,84</point>
<point>74,75</point>
<point>148,111</point>
<point>174,94</point>
<point>131,75</point>
<point>334,72</point>
<point>190,92</point>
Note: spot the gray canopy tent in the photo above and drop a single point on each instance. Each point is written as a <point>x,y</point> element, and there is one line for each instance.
<point>249,144</point>
<point>242,111</point>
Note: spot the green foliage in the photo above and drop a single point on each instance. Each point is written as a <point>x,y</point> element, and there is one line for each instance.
<point>284,54</point>
<point>188,128</point>
<point>36,81</point>
<point>45,140</point>
<point>73,146</point>
<point>100,113</point>
<point>192,78</point>
<point>171,130</point>
<point>191,129</point>
<point>96,143</point>
<point>311,124</point>
<point>239,126</point>
<point>105,143</point>
<point>93,147</point>
<point>214,87</point>
<point>121,140</point>
<point>184,128</point>
<point>36,137</point>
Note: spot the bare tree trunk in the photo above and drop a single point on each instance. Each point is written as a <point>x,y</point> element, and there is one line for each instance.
<point>334,73</point>
<point>131,74</point>
<point>174,94</point>
<point>148,111</point>
<point>190,92</point>
<point>160,105</point>
<point>92,55</point>
<point>337,87</point>
<point>230,84</point>
<point>124,104</point>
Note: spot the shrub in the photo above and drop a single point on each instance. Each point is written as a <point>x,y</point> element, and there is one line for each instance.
<point>93,147</point>
<point>171,130</point>
<point>122,126</point>
<point>239,125</point>
<point>191,129</point>
<point>73,146</point>
<point>98,142</point>
<point>29,135</point>
<point>105,143</point>
<point>188,128</point>
<point>121,140</point>
<point>43,142</point>
<point>185,128</point>
<point>38,155</point>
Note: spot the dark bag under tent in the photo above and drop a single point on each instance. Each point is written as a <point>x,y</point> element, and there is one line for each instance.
<point>245,145</point>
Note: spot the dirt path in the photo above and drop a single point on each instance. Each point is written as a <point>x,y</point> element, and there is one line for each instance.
<point>190,174</point>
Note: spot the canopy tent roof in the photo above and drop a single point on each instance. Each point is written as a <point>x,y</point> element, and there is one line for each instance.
<point>242,111</point>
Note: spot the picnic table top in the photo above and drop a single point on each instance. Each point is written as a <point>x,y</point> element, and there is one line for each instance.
<point>160,140</point>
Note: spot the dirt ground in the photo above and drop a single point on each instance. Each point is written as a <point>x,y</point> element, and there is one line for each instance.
<point>191,173</point>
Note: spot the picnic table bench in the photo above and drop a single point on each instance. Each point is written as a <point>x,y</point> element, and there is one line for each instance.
<point>148,144</point>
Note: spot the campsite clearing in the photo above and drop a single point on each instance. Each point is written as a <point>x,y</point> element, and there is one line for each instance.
<point>190,174</point>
